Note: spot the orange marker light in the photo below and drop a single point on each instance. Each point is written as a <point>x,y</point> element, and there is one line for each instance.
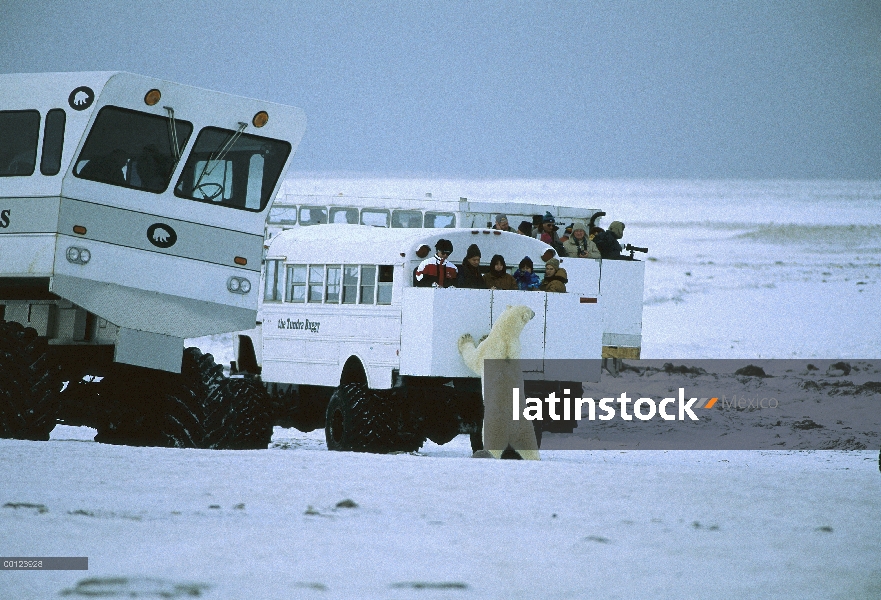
<point>260,119</point>
<point>152,97</point>
<point>240,260</point>
<point>79,229</point>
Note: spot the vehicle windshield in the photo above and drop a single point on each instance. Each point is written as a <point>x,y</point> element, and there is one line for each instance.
<point>232,169</point>
<point>19,131</point>
<point>131,149</point>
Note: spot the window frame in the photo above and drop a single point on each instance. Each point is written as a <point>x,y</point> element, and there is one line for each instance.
<point>36,145</point>
<point>291,282</point>
<point>311,207</point>
<point>434,214</point>
<point>376,211</point>
<point>278,280</point>
<point>56,154</point>
<point>262,202</point>
<point>410,212</point>
<point>310,286</point>
<point>183,140</point>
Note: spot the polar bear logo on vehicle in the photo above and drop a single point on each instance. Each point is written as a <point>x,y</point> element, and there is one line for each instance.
<point>161,235</point>
<point>81,98</point>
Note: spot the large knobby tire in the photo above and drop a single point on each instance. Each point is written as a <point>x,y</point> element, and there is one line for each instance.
<point>209,410</point>
<point>303,409</point>
<point>29,384</point>
<point>132,406</point>
<point>437,407</point>
<point>200,408</point>
<point>363,420</point>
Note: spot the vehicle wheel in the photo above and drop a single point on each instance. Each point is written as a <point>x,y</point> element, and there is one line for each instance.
<point>29,384</point>
<point>209,410</point>
<point>438,408</point>
<point>200,408</point>
<point>303,409</point>
<point>132,403</point>
<point>363,420</point>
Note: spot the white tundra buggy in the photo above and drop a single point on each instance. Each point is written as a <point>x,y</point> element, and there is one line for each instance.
<point>132,216</point>
<point>348,341</point>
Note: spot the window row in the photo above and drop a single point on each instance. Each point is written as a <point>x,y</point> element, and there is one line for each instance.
<point>138,150</point>
<point>375,217</point>
<point>19,135</point>
<point>328,284</point>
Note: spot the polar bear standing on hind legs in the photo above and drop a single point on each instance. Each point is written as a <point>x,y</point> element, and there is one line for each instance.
<point>502,345</point>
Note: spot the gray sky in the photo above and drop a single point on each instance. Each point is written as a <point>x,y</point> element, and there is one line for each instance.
<point>680,89</point>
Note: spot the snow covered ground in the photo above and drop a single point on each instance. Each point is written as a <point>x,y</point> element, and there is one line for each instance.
<point>158,522</point>
<point>740,270</point>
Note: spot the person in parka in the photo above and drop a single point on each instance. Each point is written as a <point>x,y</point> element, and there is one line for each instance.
<point>435,271</point>
<point>607,241</point>
<point>579,245</point>
<point>498,277</point>
<point>469,271</point>
<point>526,279</point>
<point>555,278</point>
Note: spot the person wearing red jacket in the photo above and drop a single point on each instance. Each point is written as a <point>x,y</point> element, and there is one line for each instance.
<point>435,271</point>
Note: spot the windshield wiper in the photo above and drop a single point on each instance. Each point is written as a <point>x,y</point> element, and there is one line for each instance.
<point>172,135</point>
<point>218,155</point>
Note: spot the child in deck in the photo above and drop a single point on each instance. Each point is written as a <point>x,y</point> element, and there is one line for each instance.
<point>526,279</point>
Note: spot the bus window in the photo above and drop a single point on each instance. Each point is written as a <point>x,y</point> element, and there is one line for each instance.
<point>374,217</point>
<point>19,131</point>
<point>368,285</point>
<point>333,284</point>
<point>440,219</point>
<point>283,215</point>
<point>406,218</point>
<point>296,283</point>
<point>350,284</point>
<point>131,149</point>
<point>232,169</point>
<point>384,287</point>
<point>313,215</point>
<point>344,215</point>
<point>316,283</point>
<point>53,142</point>
<point>272,285</point>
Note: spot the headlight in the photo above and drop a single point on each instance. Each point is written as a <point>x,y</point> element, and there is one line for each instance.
<point>238,285</point>
<point>78,256</point>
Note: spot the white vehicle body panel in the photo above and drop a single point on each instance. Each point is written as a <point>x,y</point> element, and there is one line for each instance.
<point>622,282</point>
<point>417,333</point>
<point>172,291</point>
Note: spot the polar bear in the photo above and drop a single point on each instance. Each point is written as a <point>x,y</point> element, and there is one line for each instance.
<point>502,346</point>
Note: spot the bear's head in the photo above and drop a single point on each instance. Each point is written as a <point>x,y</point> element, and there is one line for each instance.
<point>521,313</point>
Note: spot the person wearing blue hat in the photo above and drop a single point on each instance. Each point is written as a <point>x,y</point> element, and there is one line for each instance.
<point>548,232</point>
